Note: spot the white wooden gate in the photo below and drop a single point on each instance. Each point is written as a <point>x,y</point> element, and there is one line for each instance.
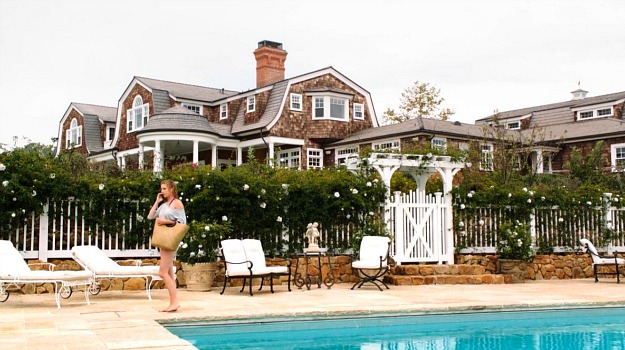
<point>417,223</point>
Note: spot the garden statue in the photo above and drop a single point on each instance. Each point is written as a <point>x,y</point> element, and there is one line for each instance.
<point>312,233</point>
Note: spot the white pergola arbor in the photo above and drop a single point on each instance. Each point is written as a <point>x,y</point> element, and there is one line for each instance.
<point>413,241</point>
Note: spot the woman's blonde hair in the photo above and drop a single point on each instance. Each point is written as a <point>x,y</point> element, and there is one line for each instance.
<point>172,186</point>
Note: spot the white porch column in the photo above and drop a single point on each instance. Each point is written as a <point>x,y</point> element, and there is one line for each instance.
<point>270,160</point>
<point>158,156</point>
<point>122,162</point>
<point>539,161</point>
<point>239,156</point>
<point>196,151</point>
<point>214,156</point>
<point>141,156</point>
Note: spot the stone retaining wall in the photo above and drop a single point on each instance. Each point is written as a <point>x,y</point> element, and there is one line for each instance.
<point>543,267</point>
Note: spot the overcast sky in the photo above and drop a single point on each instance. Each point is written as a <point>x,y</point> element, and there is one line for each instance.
<point>482,55</point>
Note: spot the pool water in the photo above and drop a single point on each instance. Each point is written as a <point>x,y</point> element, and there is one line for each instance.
<point>567,329</point>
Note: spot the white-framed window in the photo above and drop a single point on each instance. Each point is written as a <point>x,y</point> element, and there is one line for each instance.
<point>195,108</point>
<point>486,162</point>
<point>110,133</point>
<point>617,155</point>
<point>315,158</point>
<point>73,135</point>
<point>391,145</point>
<point>343,153</point>
<point>137,117</point>
<point>359,111</point>
<point>223,111</point>
<point>439,143</point>
<point>251,104</point>
<point>597,112</point>
<point>296,102</point>
<point>290,158</point>
<point>513,125</point>
<point>330,107</point>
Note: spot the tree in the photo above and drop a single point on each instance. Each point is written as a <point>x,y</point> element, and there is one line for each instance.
<point>421,100</point>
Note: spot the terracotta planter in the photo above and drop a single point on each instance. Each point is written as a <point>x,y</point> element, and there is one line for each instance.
<point>199,277</point>
<point>516,268</point>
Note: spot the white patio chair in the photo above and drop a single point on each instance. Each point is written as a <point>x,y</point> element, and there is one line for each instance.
<point>15,271</point>
<point>598,260</point>
<point>372,261</point>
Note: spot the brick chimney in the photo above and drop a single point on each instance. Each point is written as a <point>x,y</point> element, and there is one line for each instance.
<point>270,59</point>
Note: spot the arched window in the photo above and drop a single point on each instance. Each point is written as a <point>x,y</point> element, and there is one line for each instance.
<point>73,135</point>
<point>137,117</point>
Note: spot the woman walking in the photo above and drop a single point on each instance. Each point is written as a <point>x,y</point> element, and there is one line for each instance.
<point>168,210</point>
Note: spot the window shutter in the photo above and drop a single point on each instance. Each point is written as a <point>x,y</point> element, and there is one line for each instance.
<point>79,138</point>
<point>67,139</point>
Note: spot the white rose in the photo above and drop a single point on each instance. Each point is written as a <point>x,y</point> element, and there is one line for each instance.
<point>337,195</point>
<point>246,187</point>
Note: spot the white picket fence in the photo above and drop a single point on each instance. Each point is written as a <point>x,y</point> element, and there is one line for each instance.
<point>416,221</point>
<point>43,237</point>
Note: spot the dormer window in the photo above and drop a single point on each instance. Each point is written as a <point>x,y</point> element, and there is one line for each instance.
<point>195,108</point>
<point>513,125</point>
<point>594,112</point>
<point>73,135</point>
<point>137,117</point>
<point>223,111</point>
<point>251,104</point>
<point>296,102</point>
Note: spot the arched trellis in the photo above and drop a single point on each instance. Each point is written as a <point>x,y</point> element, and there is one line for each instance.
<point>420,167</point>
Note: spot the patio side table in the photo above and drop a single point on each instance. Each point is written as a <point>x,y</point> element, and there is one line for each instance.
<point>309,260</point>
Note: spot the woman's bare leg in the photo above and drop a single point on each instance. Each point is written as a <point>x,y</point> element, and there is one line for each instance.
<point>166,271</point>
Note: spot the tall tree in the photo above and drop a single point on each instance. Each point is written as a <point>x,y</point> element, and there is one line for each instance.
<point>421,100</point>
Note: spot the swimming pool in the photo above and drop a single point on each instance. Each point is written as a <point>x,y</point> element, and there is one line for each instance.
<point>582,328</point>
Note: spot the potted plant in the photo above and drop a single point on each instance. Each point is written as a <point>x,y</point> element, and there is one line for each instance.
<point>514,247</point>
<point>198,253</point>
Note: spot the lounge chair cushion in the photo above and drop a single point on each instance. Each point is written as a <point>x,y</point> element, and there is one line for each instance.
<point>596,258</point>
<point>254,251</point>
<point>95,260</point>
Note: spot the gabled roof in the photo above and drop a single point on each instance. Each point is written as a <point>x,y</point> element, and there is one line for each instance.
<point>588,101</point>
<point>279,97</point>
<point>413,126</point>
<point>187,91</point>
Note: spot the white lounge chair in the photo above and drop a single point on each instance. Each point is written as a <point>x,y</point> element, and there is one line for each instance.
<point>246,259</point>
<point>372,261</point>
<point>93,259</point>
<point>15,271</point>
<point>598,260</point>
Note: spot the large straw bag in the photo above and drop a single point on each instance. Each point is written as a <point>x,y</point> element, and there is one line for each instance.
<point>168,237</point>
